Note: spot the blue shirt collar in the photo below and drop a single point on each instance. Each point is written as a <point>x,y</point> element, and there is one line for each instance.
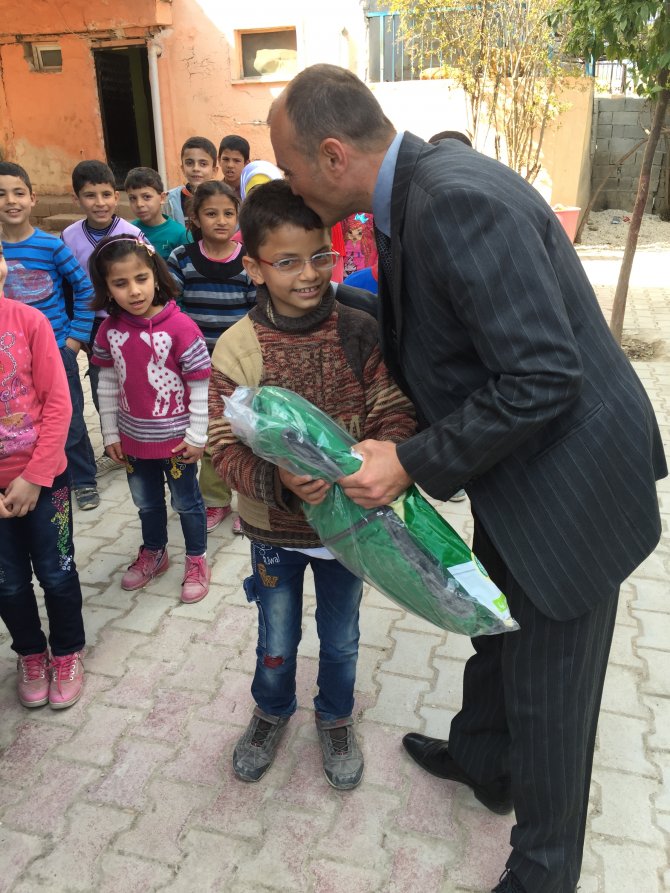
<point>381,197</point>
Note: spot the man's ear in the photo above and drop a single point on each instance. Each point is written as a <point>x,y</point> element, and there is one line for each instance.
<point>334,153</point>
<point>254,269</point>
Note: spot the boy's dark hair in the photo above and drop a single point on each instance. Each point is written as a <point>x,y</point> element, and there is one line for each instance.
<point>200,142</point>
<point>269,206</point>
<point>114,248</point>
<point>235,143</point>
<point>450,135</point>
<point>9,169</point>
<point>141,177</point>
<point>94,172</point>
<point>204,191</point>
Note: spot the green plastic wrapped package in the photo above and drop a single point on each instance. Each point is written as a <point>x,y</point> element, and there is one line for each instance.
<point>405,550</point>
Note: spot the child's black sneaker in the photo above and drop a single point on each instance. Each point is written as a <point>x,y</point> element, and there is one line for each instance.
<point>256,749</point>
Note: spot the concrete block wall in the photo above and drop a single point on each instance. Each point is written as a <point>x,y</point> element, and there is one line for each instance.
<point>619,123</point>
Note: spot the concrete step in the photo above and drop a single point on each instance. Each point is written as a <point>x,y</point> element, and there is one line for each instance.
<point>54,212</point>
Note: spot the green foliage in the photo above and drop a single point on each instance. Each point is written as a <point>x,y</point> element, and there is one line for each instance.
<point>638,30</point>
<point>506,56</point>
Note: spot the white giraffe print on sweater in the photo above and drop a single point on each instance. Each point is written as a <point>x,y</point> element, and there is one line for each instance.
<point>116,340</point>
<point>164,381</point>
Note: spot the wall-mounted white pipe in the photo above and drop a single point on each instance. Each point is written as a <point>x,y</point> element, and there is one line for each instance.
<point>153,53</point>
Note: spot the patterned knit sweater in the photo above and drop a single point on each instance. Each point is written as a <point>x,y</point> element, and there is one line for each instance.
<point>330,357</point>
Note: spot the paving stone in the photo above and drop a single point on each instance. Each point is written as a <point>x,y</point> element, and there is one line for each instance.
<point>169,643</point>
<point>306,787</point>
<point>124,785</point>
<point>136,688</point>
<point>621,692</point>
<point>96,618</point>
<point>96,740</point>
<point>201,668</point>
<point>398,700</point>
<point>375,626</point>
<point>623,650</point>
<point>158,829</point>
<point>620,745</point>
<point>437,721</point>
<point>651,595</point>
<point>200,757</point>
<point>655,629</point>
<point>630,869</point>
<point>18,850</point>
<point>129,874</point>
<point>456,647</point>
<point>448,689</point>
<point>20,761</point>
<point>412,655</point>
<point>385,758</point>
<point>333,877</point>
<point>660,738</point>
<point>429,808</point>
<point>210,863</point>
<point>113,649</point>
<point>658,672</point>
<point>484,848</point>
<point>369,662</point>
<point>634,822</point>
<point>146,615</point>
<point>233,703</point>
<point>60,785</point>
<point>73,865</point>
<point>357,835</point>
<point>418,865</point>
<point>231,626</point>
<point>279,864</point>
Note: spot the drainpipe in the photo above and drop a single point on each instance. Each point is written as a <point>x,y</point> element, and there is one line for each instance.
<point>153,53</point>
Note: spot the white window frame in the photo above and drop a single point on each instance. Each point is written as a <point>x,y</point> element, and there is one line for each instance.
<point>264,78</point>
<point>38,61</point>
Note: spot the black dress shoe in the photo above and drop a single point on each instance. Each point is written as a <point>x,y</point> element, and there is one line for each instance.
<point>432,754</point>
<point>509,883</point>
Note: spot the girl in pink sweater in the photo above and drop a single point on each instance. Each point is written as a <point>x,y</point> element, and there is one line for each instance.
<point>153,403</point>
<point>35,512</point>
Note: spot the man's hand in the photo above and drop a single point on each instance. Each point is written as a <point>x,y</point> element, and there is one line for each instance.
<point>73,344</point>
<point>20,497</point>
<point>187,453</point>
<point>114,451</point>
<point>305,487</point>
<point>380,479</point>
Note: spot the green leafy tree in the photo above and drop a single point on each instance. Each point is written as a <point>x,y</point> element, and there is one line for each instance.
<point>506,57</point>
<point>637,30</point>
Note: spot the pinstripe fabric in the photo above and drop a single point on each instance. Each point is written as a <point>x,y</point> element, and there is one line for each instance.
<point>493,329</point>
<point>529,718</point>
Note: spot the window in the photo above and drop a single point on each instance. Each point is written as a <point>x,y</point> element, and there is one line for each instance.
<point>270,55</point>
<point>47,57</point>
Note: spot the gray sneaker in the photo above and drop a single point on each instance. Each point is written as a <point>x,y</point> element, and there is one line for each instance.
<point>104,464</point>
<point>342,757</point>
<point>256,749</point>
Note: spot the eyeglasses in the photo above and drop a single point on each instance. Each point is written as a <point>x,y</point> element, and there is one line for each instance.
<point>325,260</point>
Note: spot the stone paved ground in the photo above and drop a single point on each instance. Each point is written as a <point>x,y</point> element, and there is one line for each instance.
<point>131,790</point>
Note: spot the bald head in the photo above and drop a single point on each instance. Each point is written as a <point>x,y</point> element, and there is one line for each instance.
<point>328,101</point>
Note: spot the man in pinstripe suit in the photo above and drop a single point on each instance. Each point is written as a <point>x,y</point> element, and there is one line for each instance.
<point>489,323</point>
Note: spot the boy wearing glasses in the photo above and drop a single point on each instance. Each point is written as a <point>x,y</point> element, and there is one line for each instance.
<point>298,337</point>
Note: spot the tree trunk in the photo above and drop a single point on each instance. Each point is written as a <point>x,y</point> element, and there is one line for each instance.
<point>621,293</point>
<point>601,186</point>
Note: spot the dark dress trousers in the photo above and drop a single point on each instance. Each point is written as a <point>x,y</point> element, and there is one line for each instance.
<point>526,400</point>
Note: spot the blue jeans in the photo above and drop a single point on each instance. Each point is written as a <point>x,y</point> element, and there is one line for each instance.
<point>146,479</point>
<point>277,588</point>
<point>78,449</point>
<point>41,540</point>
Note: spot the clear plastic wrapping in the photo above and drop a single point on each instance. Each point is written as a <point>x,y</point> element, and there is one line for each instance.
<point>406,550</point>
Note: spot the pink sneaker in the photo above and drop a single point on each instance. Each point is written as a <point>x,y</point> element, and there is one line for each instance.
<point>33,681</point>
<point>237,526</point>
<point>195,584</point>
<point>67,680</point>
<point>146,566</point>
<point>216,515</point>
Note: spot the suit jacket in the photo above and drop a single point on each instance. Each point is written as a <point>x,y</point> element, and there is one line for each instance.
<point>492,328</point>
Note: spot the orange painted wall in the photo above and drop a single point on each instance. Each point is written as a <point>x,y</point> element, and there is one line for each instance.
<point>55,116</point>
<point>70,16</point>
